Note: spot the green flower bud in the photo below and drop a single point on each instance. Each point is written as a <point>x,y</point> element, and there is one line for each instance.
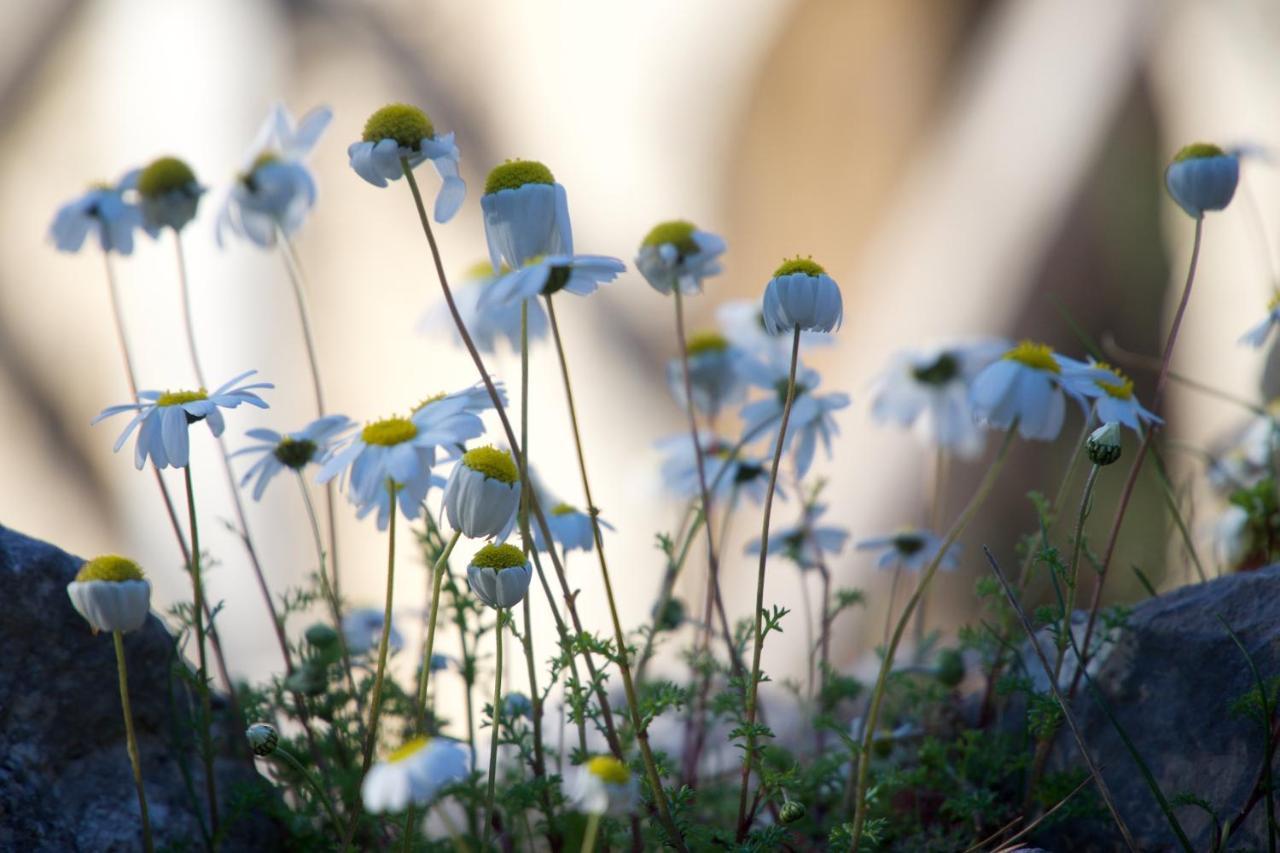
<point>307,679</point>
<point>950,667</point>
<point>322,636</point>
<point>1104,444</point>
<point>791,811</point>
<point>671,617</point>
<point>263,738</point>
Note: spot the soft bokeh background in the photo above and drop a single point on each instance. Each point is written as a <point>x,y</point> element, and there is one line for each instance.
<point>962,168</point>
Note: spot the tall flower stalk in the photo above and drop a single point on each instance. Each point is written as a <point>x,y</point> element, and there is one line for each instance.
<point>135,758</point>
<point>206,714</point>
<point>496,734</point>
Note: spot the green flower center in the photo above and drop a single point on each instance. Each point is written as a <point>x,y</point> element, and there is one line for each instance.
<point>164,176</point>
<point>427,401</point>
<point>564,509</point>
<point>781,388</point>
<point>404,123</point>
<point>1122,389</point>
<point>799,265</point>
<point>177,398</point>
<point>493,463</point>
<point>1031,354</point>
<point>498,557</point>
<point>557,278</point>
<point>514,174</point>
<point>907,544</point>
<point>295,454</point>
<point>109,567</point>
<point>408,750</point>
<point>609,770</point>
<point>677,232</point>
<point>942,370</point>
<point>389,432</point>
<point>701,342</point>
<point>1198,150</point>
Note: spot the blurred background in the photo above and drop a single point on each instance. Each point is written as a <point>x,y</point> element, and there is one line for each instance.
<point>962,168</point>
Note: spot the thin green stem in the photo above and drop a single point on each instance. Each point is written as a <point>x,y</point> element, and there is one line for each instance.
<point>496,732</point>
<point>753,685</point>
<point>330,594</point>
<point>131,737</point>
<point>312,782</point>
<point>437,580</point>
<point>589,834</point>
<point>206,713</point>
<point>940,470</point>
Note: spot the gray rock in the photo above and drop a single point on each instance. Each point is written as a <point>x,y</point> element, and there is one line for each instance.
<point>1171,681</point>
<point>65,778</point>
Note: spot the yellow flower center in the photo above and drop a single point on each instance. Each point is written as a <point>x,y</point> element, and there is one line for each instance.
<point>1031,354</point>
<point>109,567</point>
<point>404,123</point>
<point>564,509</point>
<point>1121,389</point>
<point>163,176</point>
<point>1197,150</point>
<point>514,174</point>
<point>1274,302</point>
<point>408,750</point>
<point>498,557</point>
<point>177,398</point>
<point>701,342</point>
<point>427,401</point>
<point>677,232</point>
<point>799,265</point>
<point>609,769</point>
<point>389,431</point>
<point>493,463</point>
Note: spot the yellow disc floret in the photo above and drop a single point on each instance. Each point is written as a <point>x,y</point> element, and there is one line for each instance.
<point>1121,389</point>
<point>177,398</point>
<point>389,431</point>
<point>564,509</point>
<point>498,557</point>
<point>514,174</point>
<point>109,567</point>
<point>410,749</point>
<point>404,123</point>
<point>701,342</point>
<point>493,463</point>
<point>1198,150</point>
<point>427,401</point>
<point>164,176</point>
<point>797,264</point>
<point>677,232</point>
<point>1032,354</point>
<point>609,770</point>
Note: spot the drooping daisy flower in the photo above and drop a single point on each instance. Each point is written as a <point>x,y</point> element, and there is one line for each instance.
<point>102,211</point>
<point>910,549</point>
<point>726,471</point>
<point>579,274</point>
<point>928,391</point>
<point>486,326</point>
<point>1202,177</point>
<point>168,194</point>
<point>677,254</point>
<point>1027,385</point>
<point>402,132</point>
<point>806,542</point>
<point>603,785</point>
<point>111,594</point>
<point>499,575</point>
<point>362,631</point>
<point>292,450</point>
<point>275,188</point>
<point>164,416</point>
<point>802,296</point>
<point>414,774</point>
<point>483,494</point>
<point>526,214</point>
<point>570,528</point>
<point>1257,336</point>
<point>713,374</point>
<point>811,414</point>
<point>1114,401</point>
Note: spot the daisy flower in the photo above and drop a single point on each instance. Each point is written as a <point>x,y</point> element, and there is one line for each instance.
<point>927,391</point>
<point>362,630</point>
<point>1257,336</point>
<point>400,132</point>
<point>713,374</point>
<point>602,785</point>
<point>1028,385</point>
<point>802,296</point>
<point>486,326</point>
<point>677,254</point>
<point>111,594</point>
<point>726,471</point>
<point>526,214</point>
<point>168,195</point>
<point>102,211</point>
<point>292,450</point>
<point>1114,401</point>
<point>162,418</point>
<point>741,321</point>
<point>811,414</point>
<point>483,494</point>
<point>580,274</point>
<point>910,549</point>
<point>570,528</point>
<point>1202,177</point>
<point>275,188</point>
<point>499,575</point>
<point>414,774</point>
<point>806,542</point>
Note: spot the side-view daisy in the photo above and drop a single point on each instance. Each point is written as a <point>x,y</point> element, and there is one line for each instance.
<point>111,593</point>
<point>526,214</point>
<point>727,472</point>
<point>1114,400</point>
<point>488,325</point>
<point>578,274</point>
<point>802,296</point>
<point>678,254</point>
<point>168,194</point>
<point>1028,386</point>
<point>483,494</point>
<point>292,450</point>
<point>806,543</point>
<point>1202,177</point>
<point>910,549</point>
<point>102,211</point>
<point>714,378</point>
<point>499,575</point>
<point>602,785</point>
<point>570,528</point>
<point>401,132</point>
<point>163,417</point>
<point>811,414</point>
<point>414,774</point>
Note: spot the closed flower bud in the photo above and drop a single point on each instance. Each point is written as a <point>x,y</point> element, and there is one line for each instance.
<point>263,738</point>
<point>671,617</point>
<point>950,669</point>
<point>322,636</point>
<point>1104,444</point>
<point>483,494</point>
<point>801,296</point>
<point>111,594</point>
<point>499,575</point>
<point>791,811</point>
<point>1202,177</point>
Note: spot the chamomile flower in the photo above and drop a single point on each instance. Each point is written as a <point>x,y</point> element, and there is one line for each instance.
<point>677,254</point>
<point>570,528</point>
<point>275,189</point>
<point>526,214</point>
<point>1028,385</point>
<point>579,274</point>
<point>400,133</point>
<point>168,194</point>
<point>811,414</point>
<point>728,473</point>
<point>802,296</point>
<point>111,594</point>
<point>163,417</point>
<point>483,494</point>
<point>292,450</point>
<point>362,631</point>
<point>414,774</point>
<point>806,543</point>
<point>713,374</point>
<point>1114,401</point>
<point>102,211</point>
<point>488,325</point>
<point>910,549</point>
<point>1202,177</point>
<point>602,785</point>
<point>741,321</point>
<point>927,391</point>
<point>499,575</point>
<point>1258,335</point>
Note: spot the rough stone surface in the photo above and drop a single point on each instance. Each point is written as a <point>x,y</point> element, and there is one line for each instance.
<point>1171,681</point>
<point>65,778</point>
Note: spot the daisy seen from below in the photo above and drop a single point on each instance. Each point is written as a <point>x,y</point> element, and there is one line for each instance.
<point>728,473</point>
<point>168,195</point>
<point>1028,386</point>
<point>811,414</point>
<point>362,631</point>
<point>714,377</point>
<point>1202,177</point>
<point>807,543</point>
<point>163,417</point>
<point>291,451</point>
<point>486,325</point>
<point>102,211</point>
<point>910,549</point>
<point>274,189</point>
<point>414,774</point>
<point>677,255</point>
<point>802,297</point>
<point>545,276</point>
<point>499,576</point>
<point>526,214</point>
<point>570,529</point>
<point>111,593</point>
<point>399,136</point>
<point>1114,400</point>
<point>483,494</point>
